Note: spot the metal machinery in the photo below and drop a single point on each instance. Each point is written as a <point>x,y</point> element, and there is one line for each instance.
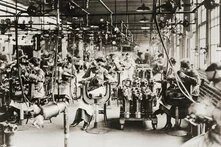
<point>97,101</point>
<point>138,98</point>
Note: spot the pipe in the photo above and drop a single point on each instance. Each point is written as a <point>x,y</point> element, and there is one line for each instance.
<point>195,9</point>
<point>106,6</point>
<point>103,14</point>
<point>85,11</point>
<point>53,109</point>
<point>56,51</point>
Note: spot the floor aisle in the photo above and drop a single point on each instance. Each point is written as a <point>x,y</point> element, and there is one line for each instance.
<point>134,134</point>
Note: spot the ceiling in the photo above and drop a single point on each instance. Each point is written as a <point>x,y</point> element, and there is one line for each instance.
<point>122,11</point>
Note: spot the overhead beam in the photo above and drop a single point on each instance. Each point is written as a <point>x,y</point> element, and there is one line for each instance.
<point>85,11</point>
<point>106,7</point>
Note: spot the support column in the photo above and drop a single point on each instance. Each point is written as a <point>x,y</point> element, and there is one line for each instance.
<point>208,36</point>
<point>64,47</point>
<point>81,48</point>
<point>197,41</point>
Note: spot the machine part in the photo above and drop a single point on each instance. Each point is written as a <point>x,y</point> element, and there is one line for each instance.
<point>138,109</point>
<point>102,100</point>
<point>126,114</point>
<point>99,127</point>
<point>8,131</point>
<point>122,122</point>
<point>53,109</point>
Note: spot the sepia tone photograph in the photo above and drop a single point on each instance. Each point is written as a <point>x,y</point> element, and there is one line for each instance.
<point>110,73</point>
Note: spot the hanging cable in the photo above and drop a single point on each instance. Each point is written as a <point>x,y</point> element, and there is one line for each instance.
<point>18,60</point>
<point>178,80</point>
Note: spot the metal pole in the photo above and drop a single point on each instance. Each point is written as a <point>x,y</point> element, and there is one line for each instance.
<point>66,128</point>
<point>18,65</point>
<point>197,38</point>
<point>54,74</point>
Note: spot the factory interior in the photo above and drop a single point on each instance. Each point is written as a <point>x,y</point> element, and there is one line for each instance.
<point>110,73</point>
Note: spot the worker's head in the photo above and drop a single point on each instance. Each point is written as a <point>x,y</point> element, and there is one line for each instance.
<point>185,64</point>
<point>127,56</point>
<point>100,61</point>
<point>35,61</point>
<point>213,73</point>
<point>173,61</point>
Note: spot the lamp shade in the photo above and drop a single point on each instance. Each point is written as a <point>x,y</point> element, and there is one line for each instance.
<point>143,8</point>
<point>145,28</point>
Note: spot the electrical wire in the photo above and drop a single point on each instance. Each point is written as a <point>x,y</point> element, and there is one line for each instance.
<point>178,80</point>
<point>18,62</point>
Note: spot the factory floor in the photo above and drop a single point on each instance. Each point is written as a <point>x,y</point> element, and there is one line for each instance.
<point>133,135</point>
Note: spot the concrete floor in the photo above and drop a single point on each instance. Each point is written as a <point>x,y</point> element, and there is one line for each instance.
<point>133,135</point>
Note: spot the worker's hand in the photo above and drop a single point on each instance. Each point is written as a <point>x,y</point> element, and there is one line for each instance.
<point>182,75</point>
<point>39,121</point>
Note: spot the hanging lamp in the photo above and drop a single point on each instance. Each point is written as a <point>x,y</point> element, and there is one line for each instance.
<point>144,20</point>
<point>143,8</point>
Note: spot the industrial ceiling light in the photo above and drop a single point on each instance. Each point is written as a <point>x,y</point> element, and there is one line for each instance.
<point>143,8</point>
<point>145,28</point>
<point>186,23</point>
<point>94,27</point>
<point>144,20</point>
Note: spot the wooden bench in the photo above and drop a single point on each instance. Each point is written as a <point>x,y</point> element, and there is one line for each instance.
<point>206,92</point>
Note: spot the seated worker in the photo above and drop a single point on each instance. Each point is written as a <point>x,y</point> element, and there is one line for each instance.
<point>147,57</point>
<point>129,67</point>
<point>170,73</point>
<point>96,75</point>
<point>139,59</point>
<point>37,78</point>
<point>191,81</point>
<point>66,83</point>
<point>69,67</point>
<point>212,138</point>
